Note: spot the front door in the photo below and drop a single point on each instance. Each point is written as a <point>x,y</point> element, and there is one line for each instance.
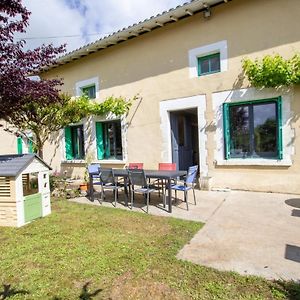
<point>184,136</point>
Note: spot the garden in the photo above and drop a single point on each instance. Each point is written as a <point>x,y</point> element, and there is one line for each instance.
<point>86,252</point>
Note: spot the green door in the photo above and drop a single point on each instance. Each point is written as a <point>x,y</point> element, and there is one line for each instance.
<point>32,207</point>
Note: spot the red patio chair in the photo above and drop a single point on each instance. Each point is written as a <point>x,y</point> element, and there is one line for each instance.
<point>138,166</point>
<point>167,166</point>
<point>164,167</point>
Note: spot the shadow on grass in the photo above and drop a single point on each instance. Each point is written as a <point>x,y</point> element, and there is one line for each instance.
<point>9,291</point>
<point>85,293</point>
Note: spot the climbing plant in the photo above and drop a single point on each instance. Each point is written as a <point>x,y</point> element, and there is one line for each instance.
<point>42,121</point>
<point>272,71</point>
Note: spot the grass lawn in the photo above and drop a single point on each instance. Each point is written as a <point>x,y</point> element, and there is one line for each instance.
<point>86,252</point>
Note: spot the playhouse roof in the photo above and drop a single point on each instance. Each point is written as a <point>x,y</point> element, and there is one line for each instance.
<point>14,164</point>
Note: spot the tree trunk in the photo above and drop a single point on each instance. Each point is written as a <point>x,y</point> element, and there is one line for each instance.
<point>39,144</point>
<point>41,152</point>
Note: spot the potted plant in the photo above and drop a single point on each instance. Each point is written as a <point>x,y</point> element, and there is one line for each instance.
<point>84,186</point>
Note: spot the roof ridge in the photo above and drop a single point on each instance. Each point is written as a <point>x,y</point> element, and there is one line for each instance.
<point>172,15</point>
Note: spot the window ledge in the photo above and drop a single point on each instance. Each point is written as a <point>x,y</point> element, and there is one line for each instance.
<point>109,162</point>
<point>254,162</point>
<point>102,162</point>
<point>74,161</point>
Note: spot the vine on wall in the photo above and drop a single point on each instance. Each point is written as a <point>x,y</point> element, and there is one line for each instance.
<point>273,71</point>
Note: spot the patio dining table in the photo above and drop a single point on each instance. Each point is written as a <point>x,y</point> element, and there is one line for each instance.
<point>156,174</point>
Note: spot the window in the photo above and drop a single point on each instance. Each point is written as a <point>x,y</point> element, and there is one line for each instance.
<point>208,59</point>
<point>25,143</point>
<point>74,141</point>
<point>253,129</point>
<point>209,64</point>
<point>109,140</point>
<point>90,91</point>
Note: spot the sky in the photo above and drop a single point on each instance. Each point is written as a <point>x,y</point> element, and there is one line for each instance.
<point>78,22</point>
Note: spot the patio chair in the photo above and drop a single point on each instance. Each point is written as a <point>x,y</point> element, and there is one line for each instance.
<point>93,172</point>
<point>138,166</point>
<point>137,178</point>
<point>108,182</point>
<point>160,182</point>
<point>188,184</point>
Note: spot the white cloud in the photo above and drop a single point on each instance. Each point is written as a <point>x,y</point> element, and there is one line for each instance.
<point>81,19</point>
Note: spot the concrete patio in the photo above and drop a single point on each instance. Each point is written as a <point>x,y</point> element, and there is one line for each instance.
<point>246,232</point>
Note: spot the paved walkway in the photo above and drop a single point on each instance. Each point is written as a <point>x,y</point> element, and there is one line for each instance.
<point>250,233</point>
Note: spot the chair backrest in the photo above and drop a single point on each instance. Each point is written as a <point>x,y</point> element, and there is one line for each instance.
<point>167,166</point>
<point>191,175</point>
<point>94,169</point>
<point>137,177</point>
<point>138,166</point>
<point>107,176</point>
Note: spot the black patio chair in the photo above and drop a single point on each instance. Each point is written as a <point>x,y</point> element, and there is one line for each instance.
<point>108,182</point>
<point>139,184</point>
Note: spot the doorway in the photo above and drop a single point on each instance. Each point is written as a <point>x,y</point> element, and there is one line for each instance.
<point>184,138</point>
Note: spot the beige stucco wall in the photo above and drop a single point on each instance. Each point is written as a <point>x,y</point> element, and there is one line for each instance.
<point>156,66</point>
<point>8,141</point>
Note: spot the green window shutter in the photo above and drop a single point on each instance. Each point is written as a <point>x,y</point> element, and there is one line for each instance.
<point>20,145</point>
<point>30,146</point>
<point>279,132</point>
<point>226,130</point>
<point>99,140</point>
<point>68,143</point>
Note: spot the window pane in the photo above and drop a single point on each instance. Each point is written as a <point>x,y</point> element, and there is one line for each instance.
<point>112,140</point>
<point>204,65</point>
<point>90,91</point>
<point>265,130</point>
<point>77,142</point>
<point>239,131</point>
<point>215,63</point>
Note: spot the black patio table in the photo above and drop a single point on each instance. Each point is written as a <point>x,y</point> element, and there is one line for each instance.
<point>154,174</point>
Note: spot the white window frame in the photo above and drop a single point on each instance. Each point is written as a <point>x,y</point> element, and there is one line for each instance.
<point>107,118</point>
<point>86,83</point>
<point>218,47</point>
<point>84,123</point>
<point>231,96</point>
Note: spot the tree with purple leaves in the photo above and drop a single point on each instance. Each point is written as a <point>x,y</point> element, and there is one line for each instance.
<point>18,64</point>
<point>36,106</point>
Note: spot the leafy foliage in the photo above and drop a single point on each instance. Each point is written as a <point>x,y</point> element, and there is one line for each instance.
<point>17,65</point>
<point>273,71</point>
<point>44,120</point>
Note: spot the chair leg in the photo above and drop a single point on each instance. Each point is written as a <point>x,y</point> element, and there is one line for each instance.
<point>132,194</point>
<point>186,199</point>
<point>175,195</point>
<point>102,195</point>
<point>194,196</point>
<point>116,194</point>
<point>148,196</point>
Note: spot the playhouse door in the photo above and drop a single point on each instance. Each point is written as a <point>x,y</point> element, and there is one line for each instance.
<point>32,207</point>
